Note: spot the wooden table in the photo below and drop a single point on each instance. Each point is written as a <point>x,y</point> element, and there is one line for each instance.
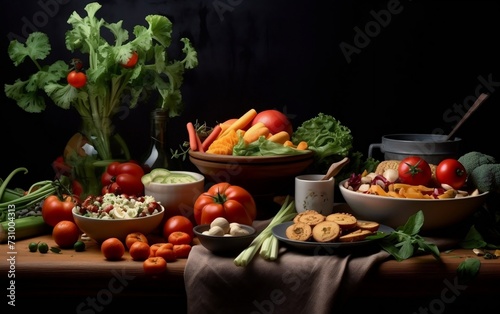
<point>84,282</point>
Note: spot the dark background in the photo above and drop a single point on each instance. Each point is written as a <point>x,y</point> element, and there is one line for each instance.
<point>417,73</point>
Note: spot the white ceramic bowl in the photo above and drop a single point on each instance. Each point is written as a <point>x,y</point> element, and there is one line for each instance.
<point>394,212</point>
<point>177,198</point>
<point>224,245</point>
<point>102,229</point>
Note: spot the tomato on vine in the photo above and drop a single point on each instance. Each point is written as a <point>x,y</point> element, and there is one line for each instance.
<point>77,79</point>
<point>132,61</point>
<point>451,171</point>
<point>415,171</point>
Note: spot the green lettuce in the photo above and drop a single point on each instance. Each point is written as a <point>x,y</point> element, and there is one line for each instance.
<point>331,141</point>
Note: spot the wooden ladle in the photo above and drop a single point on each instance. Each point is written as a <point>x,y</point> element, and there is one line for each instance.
<point>476,105</point>
<point>335,168</point>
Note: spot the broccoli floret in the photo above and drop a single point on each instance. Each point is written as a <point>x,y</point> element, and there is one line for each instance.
<point>472,160</point>
<point>486,177</point>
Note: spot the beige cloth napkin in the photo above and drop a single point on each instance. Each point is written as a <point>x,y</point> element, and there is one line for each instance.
<point>297,282</point>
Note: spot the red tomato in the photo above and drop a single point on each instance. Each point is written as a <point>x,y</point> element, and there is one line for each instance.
<point>225,200</point>
<point>154,265</point>
<point>274,120</point>
<point>415,171</point>
<point>132,61</point>
<point>55,209</point>
<point>77,79</point>
<point>182,250</point>
<point>123,178</point>
<point>179,237</point>
<point>450,171</point>
<point>178,223</point>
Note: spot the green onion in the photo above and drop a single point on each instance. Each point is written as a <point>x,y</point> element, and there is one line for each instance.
<point>266,242</point>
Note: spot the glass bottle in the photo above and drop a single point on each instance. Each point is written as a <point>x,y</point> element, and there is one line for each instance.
<point>157,155</point>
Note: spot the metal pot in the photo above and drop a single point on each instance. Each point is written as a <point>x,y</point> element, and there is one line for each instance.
<point>433,148</point>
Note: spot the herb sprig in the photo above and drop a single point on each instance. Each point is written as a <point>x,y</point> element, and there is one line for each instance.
<point>405,240</point>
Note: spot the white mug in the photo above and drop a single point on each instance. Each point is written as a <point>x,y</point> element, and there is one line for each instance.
<point>313,193</point>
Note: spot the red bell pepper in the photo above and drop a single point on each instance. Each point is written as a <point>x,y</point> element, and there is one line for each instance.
<point>123,178</point>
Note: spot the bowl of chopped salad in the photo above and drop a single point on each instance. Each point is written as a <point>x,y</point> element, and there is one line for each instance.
<point>109,215</point>
<point>373,197</point>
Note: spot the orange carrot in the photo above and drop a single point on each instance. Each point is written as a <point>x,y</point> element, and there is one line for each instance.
<point>242,121</point>
<point>193,143</point>
<point>199,145</point>
<point>211,137</point>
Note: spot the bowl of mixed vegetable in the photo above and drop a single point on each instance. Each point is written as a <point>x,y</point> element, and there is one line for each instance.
<point>109,215</point>
<point>260,175</point>
<point>446,193</point>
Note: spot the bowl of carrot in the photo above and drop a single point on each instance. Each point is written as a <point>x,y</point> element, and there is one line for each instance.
<point>256,156</point>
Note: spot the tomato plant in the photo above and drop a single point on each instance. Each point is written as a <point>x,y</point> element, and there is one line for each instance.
<point>123,178</point>
<point>451,171</point>
<point>414,170</point>
<point>232,202</point>
<point>178,223</point>
<point>132,61</point>
<point>56,209</point>
<point>77,79</point>
<point>274,120</point>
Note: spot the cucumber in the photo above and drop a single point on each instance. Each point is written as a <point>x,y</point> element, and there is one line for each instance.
<point>161,175</point>
<point>179,178</point>
<point>159,172</point>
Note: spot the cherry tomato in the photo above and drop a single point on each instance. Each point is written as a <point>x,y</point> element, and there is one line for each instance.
<point>274,120</point>
<point>178,223</point>
<point>77,79</point>
<point>182,250</point>
<point>450,171</point>
<point>415,171</point>
<point>179,237</point>
<point>55,209</point>
<point>154,265</point>
<point>132,61</point>
<point>232,202</point>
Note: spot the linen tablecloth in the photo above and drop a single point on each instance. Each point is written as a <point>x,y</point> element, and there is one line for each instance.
<point>297,282</point>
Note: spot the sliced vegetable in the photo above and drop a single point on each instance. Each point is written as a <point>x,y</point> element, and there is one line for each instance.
<point>224,144</point>
<point>162,175</point>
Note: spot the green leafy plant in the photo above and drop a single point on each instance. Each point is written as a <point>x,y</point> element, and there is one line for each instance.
<point>405,240</point>
<point>113,79</point>
<point>107,79</point>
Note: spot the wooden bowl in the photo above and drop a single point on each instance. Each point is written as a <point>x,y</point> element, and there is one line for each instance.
<point>260,175</point>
